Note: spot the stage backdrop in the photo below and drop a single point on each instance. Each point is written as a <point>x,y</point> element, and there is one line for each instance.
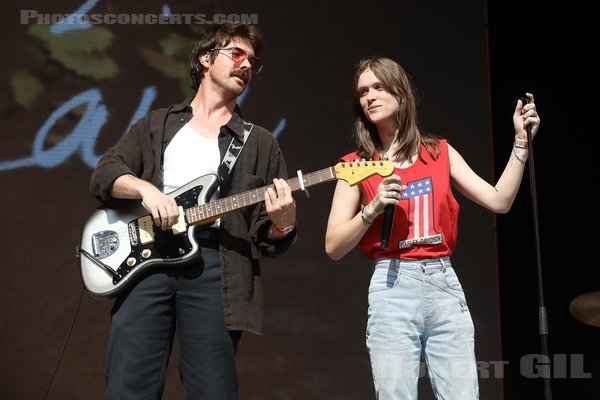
<point>70,90</point>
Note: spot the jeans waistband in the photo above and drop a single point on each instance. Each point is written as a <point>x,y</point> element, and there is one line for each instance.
<point>429,263</point>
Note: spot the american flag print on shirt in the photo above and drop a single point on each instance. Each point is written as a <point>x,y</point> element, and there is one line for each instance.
<point>420,215</point>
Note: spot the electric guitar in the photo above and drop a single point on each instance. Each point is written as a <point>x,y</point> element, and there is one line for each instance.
<point>119,243</point>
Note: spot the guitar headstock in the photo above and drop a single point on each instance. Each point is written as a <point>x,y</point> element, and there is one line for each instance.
<point>354,172</point>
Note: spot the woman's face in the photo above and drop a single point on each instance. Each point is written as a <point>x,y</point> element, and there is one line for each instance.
<point>378,105</point>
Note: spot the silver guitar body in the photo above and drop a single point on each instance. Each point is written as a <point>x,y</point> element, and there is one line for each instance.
<point>118,245</point>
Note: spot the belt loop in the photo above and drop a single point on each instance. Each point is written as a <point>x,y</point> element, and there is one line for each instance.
<point>395,264</point>
<point>443,264</point>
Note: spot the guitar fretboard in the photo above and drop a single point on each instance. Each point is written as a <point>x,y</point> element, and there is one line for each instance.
<point>208,211</point>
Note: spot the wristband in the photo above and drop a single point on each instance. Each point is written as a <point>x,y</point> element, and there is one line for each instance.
<point>285,230</point>
<point>521,143</point>
<point>521,159</point>
<point>364,219</point>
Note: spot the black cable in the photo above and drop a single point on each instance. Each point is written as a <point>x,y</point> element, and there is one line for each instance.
<point>62,351</point>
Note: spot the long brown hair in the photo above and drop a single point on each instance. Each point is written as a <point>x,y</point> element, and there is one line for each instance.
<point>396,82</point>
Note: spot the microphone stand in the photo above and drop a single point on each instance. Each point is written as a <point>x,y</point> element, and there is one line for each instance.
<point>542,316</point>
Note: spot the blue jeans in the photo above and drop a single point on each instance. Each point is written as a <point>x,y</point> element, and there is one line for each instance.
<point>418,309</point>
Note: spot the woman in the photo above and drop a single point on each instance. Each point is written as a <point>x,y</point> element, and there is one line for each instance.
<point>416,302</point>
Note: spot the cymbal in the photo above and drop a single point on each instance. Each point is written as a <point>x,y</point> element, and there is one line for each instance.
<point>586,308</point>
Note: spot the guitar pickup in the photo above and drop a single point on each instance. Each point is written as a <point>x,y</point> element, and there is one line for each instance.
<point>180,226</point>
<point>146,229</point>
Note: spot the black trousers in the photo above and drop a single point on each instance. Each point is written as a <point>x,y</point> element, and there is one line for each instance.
<point>186,301</point>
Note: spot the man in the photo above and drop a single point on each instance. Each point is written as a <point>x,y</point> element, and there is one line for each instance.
<point>209,302</point>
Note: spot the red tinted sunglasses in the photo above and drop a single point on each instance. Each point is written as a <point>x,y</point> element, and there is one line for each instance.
<point>239,55</point>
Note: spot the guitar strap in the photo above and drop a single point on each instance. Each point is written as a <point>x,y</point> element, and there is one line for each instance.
<point>234,150</point>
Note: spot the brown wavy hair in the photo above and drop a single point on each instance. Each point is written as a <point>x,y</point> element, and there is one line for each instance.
<point>217,36</point>
<point>409,137</point>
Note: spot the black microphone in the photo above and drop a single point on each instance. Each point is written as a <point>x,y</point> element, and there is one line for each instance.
<point>386,227</point>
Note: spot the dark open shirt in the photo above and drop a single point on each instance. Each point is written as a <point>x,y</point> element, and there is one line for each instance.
<point>243,232</point>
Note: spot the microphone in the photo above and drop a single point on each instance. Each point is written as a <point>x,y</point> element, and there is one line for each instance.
<point>386,227</point>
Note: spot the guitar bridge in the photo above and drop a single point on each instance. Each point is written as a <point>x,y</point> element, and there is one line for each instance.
<point>105,243</point>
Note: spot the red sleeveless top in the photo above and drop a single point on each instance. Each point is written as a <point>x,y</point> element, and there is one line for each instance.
<point>425,220</point>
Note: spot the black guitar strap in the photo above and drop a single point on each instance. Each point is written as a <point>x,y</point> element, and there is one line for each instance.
<point>234,150</point>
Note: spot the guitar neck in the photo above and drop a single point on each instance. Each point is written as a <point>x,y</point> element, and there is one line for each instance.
<point>211,211</point>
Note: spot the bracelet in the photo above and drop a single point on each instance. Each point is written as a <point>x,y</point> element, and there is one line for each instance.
<point>517,157</point>
<point>285,230</point>
<point>364,219</point>
<point>521,143</point>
